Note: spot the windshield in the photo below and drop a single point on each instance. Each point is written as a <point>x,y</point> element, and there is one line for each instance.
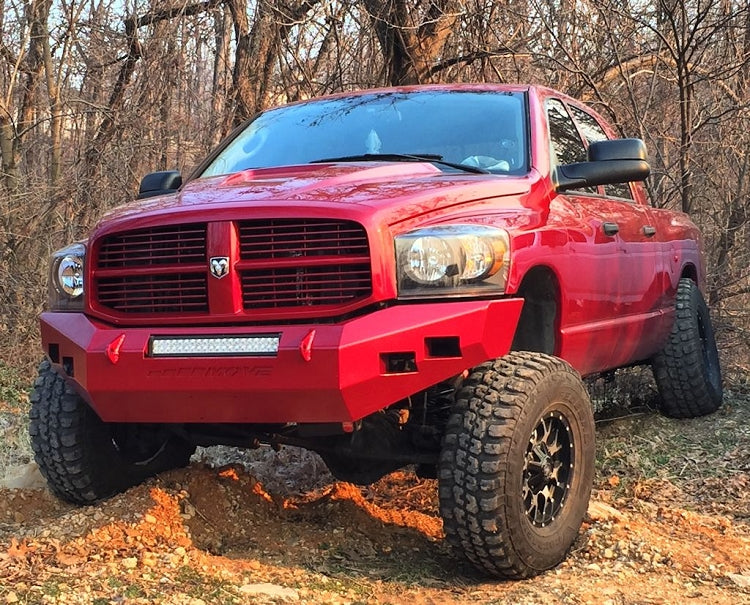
<point>481,129</point>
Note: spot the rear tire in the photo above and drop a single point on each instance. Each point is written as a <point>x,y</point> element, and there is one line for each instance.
<point>517,465</point>
<point>85,459</point>
<point>687,369</point>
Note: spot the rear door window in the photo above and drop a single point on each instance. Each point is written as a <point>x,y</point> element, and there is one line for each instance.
<point>567,146</point>
<point>593,132</point>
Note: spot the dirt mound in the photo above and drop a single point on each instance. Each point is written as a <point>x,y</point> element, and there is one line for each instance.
<point>203,535</point>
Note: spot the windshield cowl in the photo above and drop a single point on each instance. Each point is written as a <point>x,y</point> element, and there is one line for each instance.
<point>404,157</point>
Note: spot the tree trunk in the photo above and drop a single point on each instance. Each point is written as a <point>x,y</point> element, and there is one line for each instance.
<point>220,84</point>
<point>56,116</point>
<point>412,40</point>
<point>258,48</point>
<point>8,151</point>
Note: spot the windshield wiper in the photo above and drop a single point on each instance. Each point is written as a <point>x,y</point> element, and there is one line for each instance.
<point>402,157</point>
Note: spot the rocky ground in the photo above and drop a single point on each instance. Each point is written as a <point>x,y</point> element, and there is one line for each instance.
<point>669,522</point>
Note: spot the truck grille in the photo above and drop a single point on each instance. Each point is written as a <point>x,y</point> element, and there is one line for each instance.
<point>303,263</point>
<point>175,245</point>
<point>309,286</point>
<point>283,264</point>
<point>149,270</point>
<point>180,293</point>
<point>302,239</point>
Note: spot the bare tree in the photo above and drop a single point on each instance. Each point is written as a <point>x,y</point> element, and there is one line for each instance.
<point>258,45</point>
<point>95,94</point>
<point>412,35</point>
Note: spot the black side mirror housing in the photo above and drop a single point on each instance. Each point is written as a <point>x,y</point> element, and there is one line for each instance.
<point>616,161</point>
<point>159,183</point>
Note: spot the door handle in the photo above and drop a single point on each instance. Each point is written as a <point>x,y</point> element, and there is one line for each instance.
<point>649,231</point>
<point>610,228</point>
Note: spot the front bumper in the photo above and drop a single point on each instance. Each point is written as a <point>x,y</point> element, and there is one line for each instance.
<point>354,367</point>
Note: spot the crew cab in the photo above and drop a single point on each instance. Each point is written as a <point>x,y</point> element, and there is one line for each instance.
<point>401,276</point>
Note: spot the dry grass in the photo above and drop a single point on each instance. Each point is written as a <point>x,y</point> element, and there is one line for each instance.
<point>15,448</point>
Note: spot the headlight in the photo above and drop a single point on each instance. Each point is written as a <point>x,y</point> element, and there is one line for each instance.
<point>454,260</point>
<point>66,278</point>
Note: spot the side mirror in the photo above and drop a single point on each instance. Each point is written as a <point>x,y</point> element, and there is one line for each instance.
<point>610,162</point>
<point>159,183</point>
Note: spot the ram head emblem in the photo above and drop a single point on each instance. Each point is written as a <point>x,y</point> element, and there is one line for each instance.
<point>219,266</point>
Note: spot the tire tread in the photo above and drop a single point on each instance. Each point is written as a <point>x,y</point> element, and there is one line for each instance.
<point>477,442</point>
<point>73,447</point>
<point>679,368</point>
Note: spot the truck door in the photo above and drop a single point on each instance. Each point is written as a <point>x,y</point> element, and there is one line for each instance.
<point>611,265</point>
<point>640,304</point>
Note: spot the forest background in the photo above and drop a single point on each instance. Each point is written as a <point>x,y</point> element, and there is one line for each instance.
<point>94,94</point>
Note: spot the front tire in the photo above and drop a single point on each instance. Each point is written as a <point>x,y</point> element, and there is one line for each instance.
<point>85,459</point>
<point>687,370</point>
<point>517,465</point>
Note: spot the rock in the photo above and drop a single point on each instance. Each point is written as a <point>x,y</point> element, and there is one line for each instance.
<point>740,580</point>
<point>26,476</point>
<point>599,511</point>
<point>270,590</point>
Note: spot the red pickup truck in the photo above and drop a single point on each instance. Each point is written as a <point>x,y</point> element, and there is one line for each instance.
<point>389,277</point>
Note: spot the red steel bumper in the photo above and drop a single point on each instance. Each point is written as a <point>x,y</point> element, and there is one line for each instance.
<point>345,379</point>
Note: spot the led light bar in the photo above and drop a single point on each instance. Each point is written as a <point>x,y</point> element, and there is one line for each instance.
<point>250,345</point>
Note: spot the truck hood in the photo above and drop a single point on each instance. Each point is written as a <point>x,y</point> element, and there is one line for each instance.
<point>387,192</point>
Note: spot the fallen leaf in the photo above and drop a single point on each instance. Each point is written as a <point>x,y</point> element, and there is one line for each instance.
<point>69,560</point>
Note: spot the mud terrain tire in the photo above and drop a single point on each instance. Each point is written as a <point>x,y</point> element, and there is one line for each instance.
<point>687,369</point>
<point>85,459</point>
<point>517,464</point>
